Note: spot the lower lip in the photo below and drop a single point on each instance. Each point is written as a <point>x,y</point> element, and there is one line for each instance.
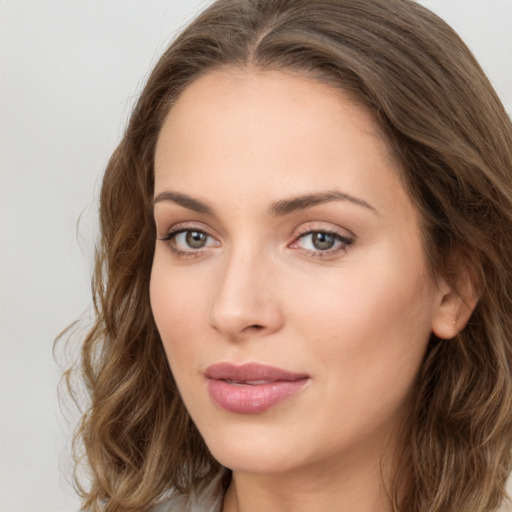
<point>252,399</point>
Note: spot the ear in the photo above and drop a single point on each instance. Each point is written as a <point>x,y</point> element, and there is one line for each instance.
<point>453,309</point>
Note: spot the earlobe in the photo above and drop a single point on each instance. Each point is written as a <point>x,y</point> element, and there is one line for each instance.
<point>453,311</point>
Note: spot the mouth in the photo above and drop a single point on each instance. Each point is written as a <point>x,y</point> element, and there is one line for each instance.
<point>251,388</point>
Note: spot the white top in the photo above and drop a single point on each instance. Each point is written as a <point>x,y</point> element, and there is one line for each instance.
<point>206,499</point>
<point>210,498</point>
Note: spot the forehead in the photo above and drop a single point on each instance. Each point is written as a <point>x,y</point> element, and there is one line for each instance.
<point>249,90</point>
<point>251,127</point>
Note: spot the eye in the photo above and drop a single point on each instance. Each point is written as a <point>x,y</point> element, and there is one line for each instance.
<point>322,243</point>
<point>189,241</point>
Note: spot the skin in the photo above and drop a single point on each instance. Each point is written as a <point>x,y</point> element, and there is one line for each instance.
<point>356,318</point>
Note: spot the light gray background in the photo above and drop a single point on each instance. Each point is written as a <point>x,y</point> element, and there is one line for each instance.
<point>70,72</point>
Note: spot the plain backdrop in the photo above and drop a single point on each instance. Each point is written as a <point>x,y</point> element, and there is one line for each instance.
<point>70,71</point>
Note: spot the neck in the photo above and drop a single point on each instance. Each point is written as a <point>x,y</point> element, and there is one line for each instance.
<point>345,487</point>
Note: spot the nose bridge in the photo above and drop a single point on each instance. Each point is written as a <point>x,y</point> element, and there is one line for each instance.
<point>244,301</point>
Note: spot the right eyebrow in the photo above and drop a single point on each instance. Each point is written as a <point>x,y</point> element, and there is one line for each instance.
<point>183,200</point>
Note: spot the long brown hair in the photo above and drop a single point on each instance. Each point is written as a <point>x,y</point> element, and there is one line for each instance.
<point>453,142</point>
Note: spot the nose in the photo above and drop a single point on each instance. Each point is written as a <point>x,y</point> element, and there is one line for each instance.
<point>245,304</point>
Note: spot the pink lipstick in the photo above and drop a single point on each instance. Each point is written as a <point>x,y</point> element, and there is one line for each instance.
<point>252,387</point>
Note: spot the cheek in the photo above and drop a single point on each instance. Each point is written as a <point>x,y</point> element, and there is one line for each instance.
<point>174,304</point>
<point>180,301</point>
<point>373,321</point>
<point>368,347</point>
<point>352,301</point>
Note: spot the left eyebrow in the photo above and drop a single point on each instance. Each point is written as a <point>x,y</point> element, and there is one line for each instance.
<point>184,200</point>
<point>287,206</point>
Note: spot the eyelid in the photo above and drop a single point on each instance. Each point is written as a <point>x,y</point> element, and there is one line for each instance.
<point>171,234</point>
<point>185,226</point>
<point>344,236</point>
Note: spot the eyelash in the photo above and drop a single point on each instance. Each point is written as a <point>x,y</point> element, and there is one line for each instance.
<point>344,242</point>
<point>170,237</point>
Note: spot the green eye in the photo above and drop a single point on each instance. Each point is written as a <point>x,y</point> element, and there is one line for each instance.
<point>189,242</point>
<point>195,239</point>
<point>323,241</point>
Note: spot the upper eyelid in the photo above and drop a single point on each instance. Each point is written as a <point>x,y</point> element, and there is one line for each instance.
<point>333,233</point>
<point>343,239</point>
<point>187,226</point>
<point>173,232</point>
<point>313,227</point>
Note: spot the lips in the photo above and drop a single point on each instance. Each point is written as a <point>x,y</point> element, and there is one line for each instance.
<point>251,388</point>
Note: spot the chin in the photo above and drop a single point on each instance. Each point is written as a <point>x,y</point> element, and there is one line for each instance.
<point>254,461</point>
<point>256,449</point>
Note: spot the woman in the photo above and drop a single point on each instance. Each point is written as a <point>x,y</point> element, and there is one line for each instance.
<point>304,282</point>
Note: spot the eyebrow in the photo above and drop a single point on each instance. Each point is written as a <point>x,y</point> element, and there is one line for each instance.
<point>184,200</point>
<point>277,209</point>
<point>287,206</point>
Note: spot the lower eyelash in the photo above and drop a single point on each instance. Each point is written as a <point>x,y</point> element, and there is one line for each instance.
<point>186,254</point>
<point>169,237</point>
<point>345,241</point>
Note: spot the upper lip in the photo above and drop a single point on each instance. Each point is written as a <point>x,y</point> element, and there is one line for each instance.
<point>251,372</point>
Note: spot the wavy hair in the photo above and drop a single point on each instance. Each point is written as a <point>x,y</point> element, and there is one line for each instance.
<point>453,141</point>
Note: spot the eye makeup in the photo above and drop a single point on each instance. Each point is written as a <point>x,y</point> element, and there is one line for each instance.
<point>188,240</point>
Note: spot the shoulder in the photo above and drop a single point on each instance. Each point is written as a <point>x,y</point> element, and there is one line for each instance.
<point>206,499</point>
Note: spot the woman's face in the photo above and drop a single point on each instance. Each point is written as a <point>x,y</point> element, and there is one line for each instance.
<point>289,285</point>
